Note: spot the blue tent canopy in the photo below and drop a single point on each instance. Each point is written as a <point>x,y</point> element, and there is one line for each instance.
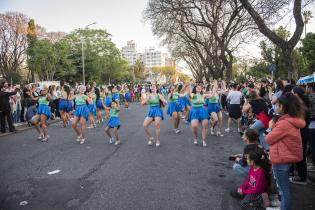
<point>306,80</point>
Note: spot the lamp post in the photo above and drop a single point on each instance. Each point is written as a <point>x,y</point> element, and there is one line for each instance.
<point>83,68</point>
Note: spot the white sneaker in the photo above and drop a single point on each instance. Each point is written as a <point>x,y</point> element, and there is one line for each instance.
<point>227,130</point>
<point>82,141</point>
<point>111,140</point>
<point>40,137</point>
<point>219,133</point>
<point>150,142</point>
<point>311,168</point>
<point>211,131</point>
<point>275,203</point>
<point>117,143</point>
<point>195,141</point>
<point>79,138</point>
<point>273,208</point>
<point>204,144</point>
<point>91,126</point>
<point>177,131</point>
<point>157,144</point>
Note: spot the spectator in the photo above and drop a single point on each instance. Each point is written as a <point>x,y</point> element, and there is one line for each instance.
<point>302,166</point>
<point>254,191</point>
<point>286,147</point>
<point>311,97</point>
<point>279,87</point>
<point>251,140</point>
<point>5,108</point>
<point>234,99</point>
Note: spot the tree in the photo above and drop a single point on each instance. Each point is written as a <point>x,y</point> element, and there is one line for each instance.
<point>168,71</point>
<point>183,77</point>
<point>31,39</point>
<point>259,9</point>
<point>138,70</point>
<point>203,33</point>
<point>13,42</point>
<point>272,54</point>
<point>102,58</point>
<point>308,52</point>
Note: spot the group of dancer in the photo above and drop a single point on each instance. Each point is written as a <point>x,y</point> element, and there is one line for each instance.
<point>194,103</point>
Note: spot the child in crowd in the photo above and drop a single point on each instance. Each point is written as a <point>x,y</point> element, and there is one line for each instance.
<point>251,139</point>
<point>254,191</point>
<point>114,122</point>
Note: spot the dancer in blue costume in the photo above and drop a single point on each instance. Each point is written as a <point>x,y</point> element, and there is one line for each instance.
<point>198,114</point>
<point>214,108</point>
<point>99,104</point>
<point>155,101</point>
<point>113,123</point>
<point>115,94</point>
<point>81,114</point>
<point>127,96</point>
<point>65,99</point>
<point>43,114</point>
<point>184,102</point>
<point>108,101</point>
<point>173,109</point>
<point>92,107</point>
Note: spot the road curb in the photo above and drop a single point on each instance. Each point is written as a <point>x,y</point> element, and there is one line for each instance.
<point>25,128</point>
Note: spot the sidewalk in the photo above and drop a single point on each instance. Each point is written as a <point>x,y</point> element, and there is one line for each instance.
<point>19,127</point>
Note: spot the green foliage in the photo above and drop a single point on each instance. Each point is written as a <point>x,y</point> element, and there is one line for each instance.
<point>258,71</point>
<point>308,52</point>
<point>50,60</point>
<point>139,70</point>
<point>183,77</point>
<point>272,54</point>
<point>168,71</point>
<point>103,61</point>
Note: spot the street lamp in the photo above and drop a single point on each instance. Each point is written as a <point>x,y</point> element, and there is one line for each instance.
<point>83,68</point>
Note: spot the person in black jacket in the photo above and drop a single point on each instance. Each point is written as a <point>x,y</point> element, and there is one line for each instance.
<point>5,109</point>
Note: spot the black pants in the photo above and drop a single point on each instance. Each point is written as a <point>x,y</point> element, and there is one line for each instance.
<point>6,115</point>
<point>302,166</point>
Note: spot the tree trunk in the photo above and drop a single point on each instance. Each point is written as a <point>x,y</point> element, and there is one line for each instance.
<point>290,63</point>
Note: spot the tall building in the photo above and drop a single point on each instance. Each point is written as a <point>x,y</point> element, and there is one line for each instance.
<point>129,52</point>
<point>152,58</point>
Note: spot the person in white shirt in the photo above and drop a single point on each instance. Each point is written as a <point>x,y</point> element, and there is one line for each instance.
<point>234,101</point>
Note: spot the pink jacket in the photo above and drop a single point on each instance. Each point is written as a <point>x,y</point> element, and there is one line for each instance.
<point>285,140</point>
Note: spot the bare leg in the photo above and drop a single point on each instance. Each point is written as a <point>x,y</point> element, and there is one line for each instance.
<point>220,120</point>
<point>174,117</point>
<point>146,124</point>
<point>83,127</point>
<point>158,129</point>
<point>75,126</point>
<point>36,124</point>
<point>43,119</point>
<point>116,135</point>
<point>107,130</point>
<point>194,128</point>
<point>204,129</point>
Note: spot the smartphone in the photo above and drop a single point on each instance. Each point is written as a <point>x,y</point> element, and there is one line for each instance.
<point>232,158</point>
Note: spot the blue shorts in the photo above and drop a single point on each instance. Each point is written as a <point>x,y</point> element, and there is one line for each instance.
<point>214,107</point>
<point>173,107</point>
<point>198,113</point>
<point>114,122</point>
<point>92,108</point>
<point>82,111</point>
<point>44,109</point>
<point>155,111</point>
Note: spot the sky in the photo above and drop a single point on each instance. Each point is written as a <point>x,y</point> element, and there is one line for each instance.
<point>122,18</point>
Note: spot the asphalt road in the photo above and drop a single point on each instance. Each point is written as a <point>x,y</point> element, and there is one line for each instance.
<point>96,175</point>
